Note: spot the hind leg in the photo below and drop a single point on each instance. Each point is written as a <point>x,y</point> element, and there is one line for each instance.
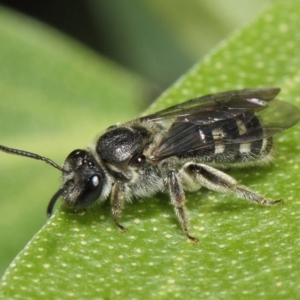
<point>216,180</point>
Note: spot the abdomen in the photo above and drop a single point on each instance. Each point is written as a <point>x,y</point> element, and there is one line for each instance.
<point>235,141</point>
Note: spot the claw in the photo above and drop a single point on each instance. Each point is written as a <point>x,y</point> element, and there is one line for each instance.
<point>192,239</point>
<point>267,202</point>
<point>122,228</point>
<point>275,202</point>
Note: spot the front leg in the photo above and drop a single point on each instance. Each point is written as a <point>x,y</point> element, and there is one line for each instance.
<point>178,200</point>
<point>218,181</point>
<point>117,201</point>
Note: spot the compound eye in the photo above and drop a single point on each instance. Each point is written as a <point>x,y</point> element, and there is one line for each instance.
<point>91,191</point>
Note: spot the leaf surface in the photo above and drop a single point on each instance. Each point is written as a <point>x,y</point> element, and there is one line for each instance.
<point>245,251</point>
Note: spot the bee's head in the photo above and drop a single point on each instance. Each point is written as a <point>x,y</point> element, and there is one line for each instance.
<point>83,181</point>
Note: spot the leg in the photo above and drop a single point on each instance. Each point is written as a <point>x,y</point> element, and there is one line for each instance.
<point>218,181</point>
<point>117,203</point>
<point>178,199</point>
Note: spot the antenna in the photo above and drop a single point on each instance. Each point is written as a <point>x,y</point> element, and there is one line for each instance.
<point>53,201</point>
<point>31,155</point>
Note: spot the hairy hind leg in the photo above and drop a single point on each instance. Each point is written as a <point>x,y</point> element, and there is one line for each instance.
<point>216,180</point>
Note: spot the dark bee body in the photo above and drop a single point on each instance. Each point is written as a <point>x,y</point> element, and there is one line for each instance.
<point>220,152</point>
<point>176,149</point>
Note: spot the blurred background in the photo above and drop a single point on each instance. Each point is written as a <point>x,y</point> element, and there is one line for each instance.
<point>45,91</point>
<point>158,40</point>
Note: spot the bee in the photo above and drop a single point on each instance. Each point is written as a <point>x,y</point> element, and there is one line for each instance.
<point>181,148</point>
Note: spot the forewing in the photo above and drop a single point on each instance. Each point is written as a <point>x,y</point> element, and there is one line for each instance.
<point>196,123</point>
<point>219,106</point>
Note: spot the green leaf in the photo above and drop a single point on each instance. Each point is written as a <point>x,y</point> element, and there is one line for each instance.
<point>245,251</point>
<point>55,97</point>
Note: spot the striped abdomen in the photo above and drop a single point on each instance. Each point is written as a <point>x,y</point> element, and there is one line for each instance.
<point>237,140</point>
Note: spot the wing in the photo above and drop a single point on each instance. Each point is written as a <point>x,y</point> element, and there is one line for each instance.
<point>248,115</point>
<point>210,107</point>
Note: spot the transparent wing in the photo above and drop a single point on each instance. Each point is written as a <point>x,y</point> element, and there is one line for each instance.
<point>221,106</point>
<point>196,123</point>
